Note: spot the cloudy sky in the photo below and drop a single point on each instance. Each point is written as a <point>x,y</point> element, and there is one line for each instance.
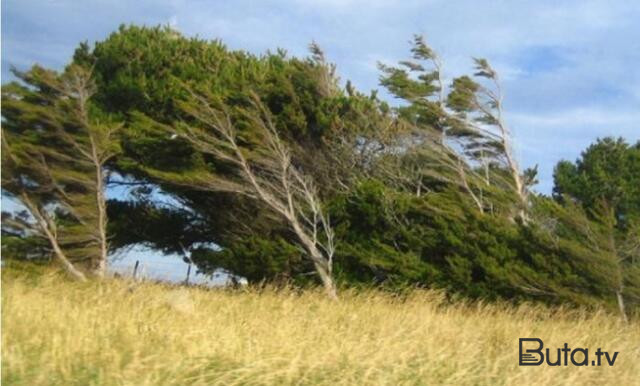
<point>570,68</point>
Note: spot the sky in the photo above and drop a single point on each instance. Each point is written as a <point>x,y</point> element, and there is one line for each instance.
<point>569,68</point>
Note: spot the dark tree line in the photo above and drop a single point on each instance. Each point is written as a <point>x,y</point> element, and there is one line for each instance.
<point>277,173</point>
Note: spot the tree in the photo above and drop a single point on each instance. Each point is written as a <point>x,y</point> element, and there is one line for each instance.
<point>55,148</point>
<point>480,110</point>
<point>605,182</point>
<point>462,137</point>
<point>267,174</point>
<point>243,159</point>
<point>330,136</point>
<point>607,170</point>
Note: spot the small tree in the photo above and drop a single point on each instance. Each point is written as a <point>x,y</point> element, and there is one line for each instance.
<point>262,170</point>
<point>621,249</point>
<point>28,182</point>
<point>605,182</point>
<point>479,112</point>
<point>55,149</point>
<point>460,134</point>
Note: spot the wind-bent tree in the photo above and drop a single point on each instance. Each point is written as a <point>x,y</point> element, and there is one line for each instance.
<point>622,249</point>
<point>55,148</point>
<point>481,109</point>
<point>331,135</point>
<point>461,137</point>
<point>605,182</point>
<point>266,173</point>
<point>428,154</point>
<point>26,179</point>
<point>420,194</point>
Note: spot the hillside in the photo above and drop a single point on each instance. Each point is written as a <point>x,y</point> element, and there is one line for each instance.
<point>117,332</point>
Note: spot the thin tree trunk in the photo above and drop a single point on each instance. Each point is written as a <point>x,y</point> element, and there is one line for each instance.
<point>623,312</point>
<point>327,281</point>
<point>283,188</point>
<point>44,225</point>
<point>465,184</point>
<point>68,266</point>
<point>322,265</point>
<point>514,169</point>
<point>100,267</point>
<point>613,250</point>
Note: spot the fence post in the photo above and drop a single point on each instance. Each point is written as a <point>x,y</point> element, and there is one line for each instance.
<point>186,281</point>
<point>135,269</point>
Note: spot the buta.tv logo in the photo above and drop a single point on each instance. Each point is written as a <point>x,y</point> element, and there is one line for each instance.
<point>531,354</point>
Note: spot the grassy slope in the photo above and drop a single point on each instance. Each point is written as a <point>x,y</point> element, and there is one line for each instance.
<point>116,332</point>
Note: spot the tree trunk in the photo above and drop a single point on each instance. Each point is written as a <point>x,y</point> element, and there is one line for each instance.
<point>68,266</point>
<point>610,221</point>
<point>322,265</point>
<point>100,266</point>
<point>44,226</point>
<point>623,312</point>
<point>327,281</point>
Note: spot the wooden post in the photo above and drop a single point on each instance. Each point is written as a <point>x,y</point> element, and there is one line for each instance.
<point>135,269</point>
<point>186,281</point>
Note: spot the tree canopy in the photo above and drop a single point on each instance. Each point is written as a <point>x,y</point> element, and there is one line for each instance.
<point>278,173</point>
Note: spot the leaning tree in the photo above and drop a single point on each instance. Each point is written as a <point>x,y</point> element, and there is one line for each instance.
<point>55,148</point>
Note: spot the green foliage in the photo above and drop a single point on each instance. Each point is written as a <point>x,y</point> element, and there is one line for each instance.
<point>605,183</point>
<point>258,259</point>
<point>55,145</point>
<point>321,126</point>
<point>608,170</point>
<point>394,239</point>
<point>418,195</point>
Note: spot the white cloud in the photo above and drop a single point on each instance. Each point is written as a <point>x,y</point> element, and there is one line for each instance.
<point>579,117</point>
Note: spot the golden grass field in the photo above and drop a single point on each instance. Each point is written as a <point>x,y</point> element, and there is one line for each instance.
<point>117,332</point>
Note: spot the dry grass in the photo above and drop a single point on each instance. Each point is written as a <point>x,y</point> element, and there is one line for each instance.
<point>58,332</point>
